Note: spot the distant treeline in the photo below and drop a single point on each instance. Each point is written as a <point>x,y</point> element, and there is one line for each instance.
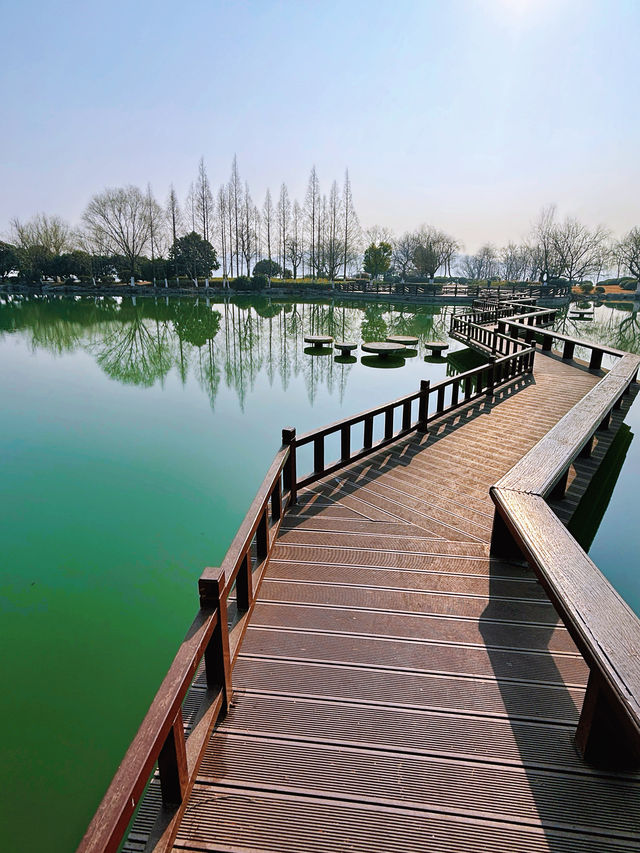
<point>125,232</point>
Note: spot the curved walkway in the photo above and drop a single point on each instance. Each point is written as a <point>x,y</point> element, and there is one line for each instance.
<point>397,688</point>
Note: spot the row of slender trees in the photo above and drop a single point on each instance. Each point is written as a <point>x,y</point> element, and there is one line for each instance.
<point>126,232</point>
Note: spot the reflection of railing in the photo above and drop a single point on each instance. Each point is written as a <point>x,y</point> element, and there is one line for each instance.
<point>455,289</point>
<point>603,626</point>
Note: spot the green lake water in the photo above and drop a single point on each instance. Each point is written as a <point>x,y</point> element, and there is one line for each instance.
<point>134,438</point>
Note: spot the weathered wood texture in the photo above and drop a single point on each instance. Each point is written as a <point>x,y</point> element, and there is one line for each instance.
<point>539,471</point>
<point>602,624</point>
<point>399,689</point>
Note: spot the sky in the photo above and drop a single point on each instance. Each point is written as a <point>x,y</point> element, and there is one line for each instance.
<point>469,115</point>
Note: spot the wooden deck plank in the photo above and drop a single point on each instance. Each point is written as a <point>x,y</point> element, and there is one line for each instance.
<point>396,682</point>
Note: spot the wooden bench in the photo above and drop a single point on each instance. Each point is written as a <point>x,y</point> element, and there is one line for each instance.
<point>603,626</point>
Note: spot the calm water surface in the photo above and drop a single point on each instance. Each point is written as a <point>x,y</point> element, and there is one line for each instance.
<point>134,438</point>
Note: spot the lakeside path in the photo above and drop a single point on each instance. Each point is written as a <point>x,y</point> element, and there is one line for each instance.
<point>398,689</point>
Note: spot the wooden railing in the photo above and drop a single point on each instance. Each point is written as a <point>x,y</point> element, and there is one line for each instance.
<point>401,417</point>
<point>227,595</point>
<point>546,338</point>
<point>603,626</point>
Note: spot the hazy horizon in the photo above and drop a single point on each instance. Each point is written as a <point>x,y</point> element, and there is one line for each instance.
<point>470,115</point>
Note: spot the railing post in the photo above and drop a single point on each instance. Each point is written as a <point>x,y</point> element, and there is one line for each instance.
<point>531,357</point>
<point>217,658</point>
<point>567,352</point>
<point>558,491</point>
<point>406,414</point>
<point>172,764</point>
<point>423,405</point>
<point>276,501</point>
<point>345,443</point>
<point>601,738</point>
<point>595,363</point>
<point>318,454</point>
<point>244,583</point>
<point>368,432</point>
<point>388,423</point>
<point>491,376</point>
<point>290,472</point>
<point>262,536</point>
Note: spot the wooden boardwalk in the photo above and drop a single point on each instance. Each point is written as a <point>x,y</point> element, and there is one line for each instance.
<point>397,689</point>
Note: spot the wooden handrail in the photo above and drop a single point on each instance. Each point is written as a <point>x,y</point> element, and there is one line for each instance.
<point>552,335</point>
<point>160,737</point>
<point>160,731</point>
<point>249,526</point>
<point>603,626</point>
<point>488,376</point>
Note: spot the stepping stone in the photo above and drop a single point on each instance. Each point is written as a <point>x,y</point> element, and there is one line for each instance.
<point>382,348</point>
<point>436,347</point>
<point>345,347</point>
<point>318,340</point>
<point>407,340</point>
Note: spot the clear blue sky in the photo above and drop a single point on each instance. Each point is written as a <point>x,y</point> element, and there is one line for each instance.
<point>467,114</point>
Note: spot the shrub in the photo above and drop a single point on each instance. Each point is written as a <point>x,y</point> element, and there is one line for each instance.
<point>260,281</point>
<point>599,289</point>
<point>586,287</point>
<point>243,282</point>
<point>267,267</point>
<point>629,284</point>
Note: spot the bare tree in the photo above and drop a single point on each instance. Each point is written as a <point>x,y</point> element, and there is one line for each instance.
<point>156,229</point>
<point>284,216</point>
<point>482,265</point>
<point>235,197</point>
<point>268,219</point>
<point>295,247</point>
<point>403,249</point>
<point>543,247</point>
<point>203,200</point>
<point>378,234</point>
<point>579,249</point>
<point>191,207</point>
<point>334,243</point>
<point>223,233</point>
<point>515,262</point>
<point>429,250</point>
<point>312,204</point>
<point>118,219</point>
<point>246,230</point>
<point>49,232</point>
<point>351,227</point>
<point>450,249</point>
<point>629,252</point>
<point>174,215</point>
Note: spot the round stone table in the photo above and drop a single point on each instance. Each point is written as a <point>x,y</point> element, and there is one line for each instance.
<point>436,347</point>
<point>383,348</point>
<point>406,340</point>
<point>345,347</point>
<point>318,340</point>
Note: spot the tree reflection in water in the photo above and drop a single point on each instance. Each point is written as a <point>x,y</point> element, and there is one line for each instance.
<point>232,340</point>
